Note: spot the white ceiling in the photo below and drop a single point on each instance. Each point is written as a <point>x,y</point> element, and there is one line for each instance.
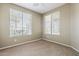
<point>40,7</point>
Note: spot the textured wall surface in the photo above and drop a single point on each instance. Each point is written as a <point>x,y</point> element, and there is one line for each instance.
<point>6,40</point>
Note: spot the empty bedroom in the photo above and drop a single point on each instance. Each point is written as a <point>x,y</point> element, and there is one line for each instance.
<point>39,29</point>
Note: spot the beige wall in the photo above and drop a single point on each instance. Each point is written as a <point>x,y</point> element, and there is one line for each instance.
<point>69,26</point>
<point>0,26</point>
<point>64,36</point>
<point>75,25</point>
<point>6,40</point>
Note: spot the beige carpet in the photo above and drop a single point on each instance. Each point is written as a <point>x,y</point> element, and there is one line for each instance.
<point>39,48</point>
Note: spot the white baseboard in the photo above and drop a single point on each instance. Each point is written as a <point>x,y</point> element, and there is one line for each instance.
<point>58,43</point>
<point>62,44</point>
<point>19,44</point>
<point>75,49</point>
<point>37,40</point>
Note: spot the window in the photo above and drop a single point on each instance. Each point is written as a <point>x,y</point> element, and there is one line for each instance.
<point>51,23</point>
<point>20,23</point>
<point>27,24</point>
<point>55,23</point>
<point>47,24</point>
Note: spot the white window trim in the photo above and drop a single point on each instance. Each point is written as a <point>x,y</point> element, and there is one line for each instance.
<point>51,25</point>
<point>14,35</point>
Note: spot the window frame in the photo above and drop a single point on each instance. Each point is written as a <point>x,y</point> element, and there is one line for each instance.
<point>11,10</point>
<point>52,32</point>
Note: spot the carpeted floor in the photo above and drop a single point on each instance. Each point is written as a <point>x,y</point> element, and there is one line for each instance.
<point>39,48</point>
